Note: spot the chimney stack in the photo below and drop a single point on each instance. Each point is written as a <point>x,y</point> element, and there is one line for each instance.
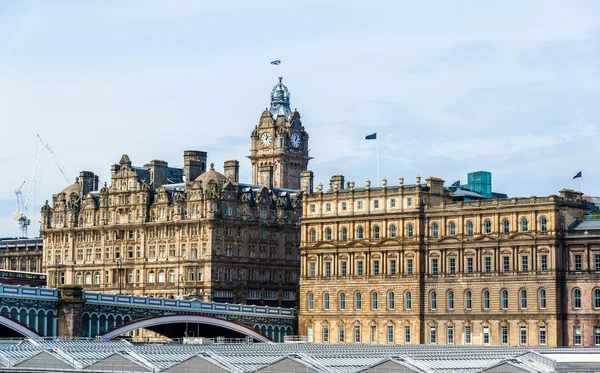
<point>306,181</point>
<point>194,164</point>
<point>158,172</point>
<point>232,170</point>
<point>336,183</point>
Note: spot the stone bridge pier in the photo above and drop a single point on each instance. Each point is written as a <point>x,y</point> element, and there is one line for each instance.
<point>70,312</point>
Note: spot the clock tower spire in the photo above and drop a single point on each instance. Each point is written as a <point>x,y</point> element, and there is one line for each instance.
<point>279,144</point>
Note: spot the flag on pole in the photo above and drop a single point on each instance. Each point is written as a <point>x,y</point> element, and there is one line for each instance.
<point>578,175</point>
<point>276,62</point>
<point>371,137</point>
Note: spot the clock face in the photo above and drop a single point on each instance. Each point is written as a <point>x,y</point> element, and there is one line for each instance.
<point>295,140</point>
<point>265,139</point>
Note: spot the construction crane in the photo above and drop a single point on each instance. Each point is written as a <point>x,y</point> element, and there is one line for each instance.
<point>54,158</point>
<point>20,215</point>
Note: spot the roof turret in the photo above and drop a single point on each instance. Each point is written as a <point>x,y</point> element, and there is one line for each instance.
<point>280,101</point>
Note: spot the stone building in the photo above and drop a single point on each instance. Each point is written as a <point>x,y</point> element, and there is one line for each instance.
<point>21,254</point>
<point>409,264</point>
<point>163,231</point>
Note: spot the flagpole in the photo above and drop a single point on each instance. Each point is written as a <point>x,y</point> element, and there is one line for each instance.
<point>280,73</point>
<point>377,142</point>
<point>582,184</point>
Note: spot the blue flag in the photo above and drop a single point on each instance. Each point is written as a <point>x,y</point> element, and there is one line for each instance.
<point>276,62</point>
<point>578,175</point>
<point>371,137</point>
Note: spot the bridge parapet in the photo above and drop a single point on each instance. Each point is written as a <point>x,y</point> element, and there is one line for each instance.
<point>26,291</point>
<point>137,301</point>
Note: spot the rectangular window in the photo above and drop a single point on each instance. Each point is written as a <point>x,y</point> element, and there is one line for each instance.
<point>359,267</point>
<point>313,208</point>
<point>468,334</point>
<point>327,269</point>
<point>505,264</point>
<point>359,205</point>
<point>524,263</point>
<point>523,335</point>
<point>488,264</point>
<point>344,268</point>
<point>344,206</point>
<point>469,265</point>
<point>341,335</point>
<point>577,336</point>
<point>390,334</point>
<point>312,269</point>
<point>486,335</point>
<point>432,336</point>
<point>578,263</point>
<point>409,266</point>
<point>504,334</point>
<point>544,262</point>
<point>542,335</point>
<point>434,266</point>
<point>325,334</point>
<point>375,267</point>
<point>597,262</point>
<point>376,204</point>
<point>596,336</point>
<point>409,202</point>
<point>392,266</point>
<point>407,334</point>
<point>356,334</point>
<point>452,265</point>
<point>328,207</point>
<point>450,335</point>
<point>392,203</point>
<point>373,334</point>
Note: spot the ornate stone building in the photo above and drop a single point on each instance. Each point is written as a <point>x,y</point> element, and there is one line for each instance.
<point>163,231</point>
<point>408,264</point>
<point>21,254</point>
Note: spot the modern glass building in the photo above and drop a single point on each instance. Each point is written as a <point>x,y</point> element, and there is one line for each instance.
<point>480,182</point>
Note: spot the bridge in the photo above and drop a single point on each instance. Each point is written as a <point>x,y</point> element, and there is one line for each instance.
<point>68,312</point>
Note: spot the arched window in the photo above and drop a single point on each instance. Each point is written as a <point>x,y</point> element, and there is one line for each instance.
<point>409,230</point>
<point>328,234</point>
<point>433,300</point>
<point>357,300</point>
<point>523,299</point>
<point>451,300</point>
<point>151,276</point>
<point>313,235</point>
<point>435,231</point>
<point>97,278</point>
<point>408,300</point>
<point>468,300</point>
<point>543,224</point>
<point>326,301</point>
<point>344,234</point>
<point>469,228</point>
<point>88,278</point>
<point>359,232</point>
<point>391,300</point>
<point>524,225</point>
<point>393,232</point>
<point>487,227</point>
<point>542,299</point>
<point>79,278</point>
<point>310,301</point>
<point>486,299</point>
<point>576,298</point>
<point>374,299</point>
<point>505,226</point>
<point>504,299</point>
<point>161,276</point>
<point>452,228</point>
<point>376,231</point>
<point>596,298</point>
<point>342,301</point>
<point>171,275</point>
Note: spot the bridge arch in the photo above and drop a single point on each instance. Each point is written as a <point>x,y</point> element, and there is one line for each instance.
<point>187,318</point>
<point>19,328</point>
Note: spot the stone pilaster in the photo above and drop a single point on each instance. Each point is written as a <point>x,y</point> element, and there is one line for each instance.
<point>70,310</point>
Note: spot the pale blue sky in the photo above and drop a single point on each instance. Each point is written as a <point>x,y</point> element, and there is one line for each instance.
<point>450,86</point>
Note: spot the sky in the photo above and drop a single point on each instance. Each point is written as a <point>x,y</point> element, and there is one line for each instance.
<point>450,87</point>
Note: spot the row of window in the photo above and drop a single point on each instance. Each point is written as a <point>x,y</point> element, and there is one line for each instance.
<point>450,300</point>
<point>360,205</point>
<point>341,334</point>
<point>434,232</point>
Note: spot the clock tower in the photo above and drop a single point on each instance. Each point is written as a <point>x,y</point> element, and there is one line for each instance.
<point>279,144</point>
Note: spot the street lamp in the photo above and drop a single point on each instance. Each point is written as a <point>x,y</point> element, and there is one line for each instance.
<point>119,267</point>
<point>56,274</point>
<point>179,279</point>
